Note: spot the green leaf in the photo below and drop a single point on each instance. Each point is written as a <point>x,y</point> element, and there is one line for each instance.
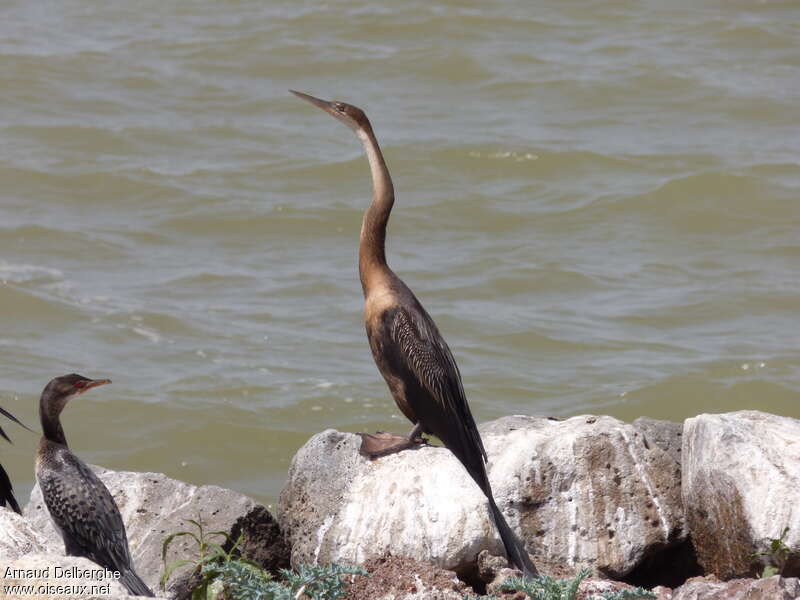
<point>629,594</point>
<point>216,552</point>
<point>171,537</point>
<point>170,569</point>
<point>768,571</point>
<point>200,592</point>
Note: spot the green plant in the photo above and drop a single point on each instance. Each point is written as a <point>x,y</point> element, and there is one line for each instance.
<point>208,554</point>
<point>629,594</point>
<point>778,555</point>
<point>240,579</point>
<point>549,588</point>
<point>315,582</point>
<point>244,581</point>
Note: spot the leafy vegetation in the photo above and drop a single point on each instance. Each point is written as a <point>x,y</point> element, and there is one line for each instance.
<point>549,588</point>
<point>208,554</point>
<point>778,555</point>
<point>226,574</point>
<point>629,594</point>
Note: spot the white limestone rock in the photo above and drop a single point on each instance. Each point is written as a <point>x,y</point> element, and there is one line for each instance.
<point>585,492</point>
<point>741,488</point>
<point>57,577</point>
<point>709,588</point>
<point>667,435</point>
<point>340,507</point>
<point>17,537</point>
<point>152,507</point>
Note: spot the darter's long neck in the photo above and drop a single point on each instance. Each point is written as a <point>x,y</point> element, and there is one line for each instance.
<point>371,251</point>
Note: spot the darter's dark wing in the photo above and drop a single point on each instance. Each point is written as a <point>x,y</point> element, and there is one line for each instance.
<point>6,489</point>
<point>438,398</point>
<point>7,492</point>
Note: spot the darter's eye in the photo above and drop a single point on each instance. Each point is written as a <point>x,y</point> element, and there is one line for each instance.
<point>339,106</point>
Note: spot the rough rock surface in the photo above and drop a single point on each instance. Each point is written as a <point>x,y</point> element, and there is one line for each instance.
<point>55,575</point>
<point>593,588</point>
<point>710,588</point>
<point>397,578</point>
<point>585,492</point>
<point>17,537</point>
<point>741,476</point>
<point>667,435</point>
<point>153,506</point>
<point>340,507</point>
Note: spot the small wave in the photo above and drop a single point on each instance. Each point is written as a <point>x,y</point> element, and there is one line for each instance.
<point>79,137</point>
<point>756,36</point>
<point>525,281</point>
<point>705,203</point>
<point>204,282</point>
<point>155,326</point>
<point>240,229</point>
<point>59,240</point>
<point>25,308</point>
<point>716,388</point>
<point>148,334</point>
<point>88,187</point>
<point>533,344</point>
<point>28,273</point>
<point>551,161</point>
<point>505,155</point>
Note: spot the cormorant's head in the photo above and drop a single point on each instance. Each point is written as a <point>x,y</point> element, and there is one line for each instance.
<point>350,115</point>
<point>63,389</point>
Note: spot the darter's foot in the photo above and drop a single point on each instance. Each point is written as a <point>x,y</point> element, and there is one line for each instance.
<point>376,445</point>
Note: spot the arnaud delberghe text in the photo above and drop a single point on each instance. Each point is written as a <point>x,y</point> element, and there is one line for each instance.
<point>56,572</point>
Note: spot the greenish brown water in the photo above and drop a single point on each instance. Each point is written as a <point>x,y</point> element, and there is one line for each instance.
<point>598,202</point>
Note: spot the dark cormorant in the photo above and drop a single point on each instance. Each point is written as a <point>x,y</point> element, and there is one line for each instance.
<point>81,506</point>
<point>6,489</point>
<point>407,347</point>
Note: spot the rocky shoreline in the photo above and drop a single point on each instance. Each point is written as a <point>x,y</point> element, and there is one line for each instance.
<point>683,509</point>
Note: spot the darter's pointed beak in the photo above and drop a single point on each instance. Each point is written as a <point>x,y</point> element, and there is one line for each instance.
<point>323,104</point>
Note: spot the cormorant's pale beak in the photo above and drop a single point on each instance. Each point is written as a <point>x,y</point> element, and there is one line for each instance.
<point>93,384</point>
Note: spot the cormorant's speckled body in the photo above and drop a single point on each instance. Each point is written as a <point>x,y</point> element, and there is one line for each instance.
<point>82,508</point>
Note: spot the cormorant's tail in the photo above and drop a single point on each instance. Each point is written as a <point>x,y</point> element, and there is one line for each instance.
<point>135,585</point>
<point>7,492</point>
<point>515,550</point>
